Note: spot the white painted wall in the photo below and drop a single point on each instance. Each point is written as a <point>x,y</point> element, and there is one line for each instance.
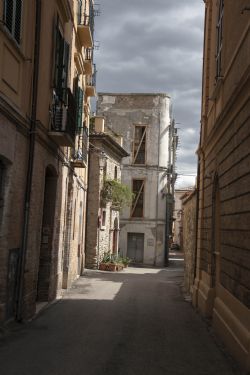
<point>122,113</point>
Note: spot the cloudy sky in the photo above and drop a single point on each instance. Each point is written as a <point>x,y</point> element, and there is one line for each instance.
<point>156,46</point>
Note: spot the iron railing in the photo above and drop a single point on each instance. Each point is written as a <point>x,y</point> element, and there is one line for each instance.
<point>91,80</point>
<point>86,15</point>
<point>64,115</point>
<point>89,54</point>
<point>81,153</point>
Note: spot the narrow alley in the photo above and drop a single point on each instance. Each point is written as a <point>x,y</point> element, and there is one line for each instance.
<point>128,323</point>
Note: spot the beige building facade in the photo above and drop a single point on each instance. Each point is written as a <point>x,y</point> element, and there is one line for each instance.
<point>46,80</point>
<point>178,216</point>
<point>222,285</point>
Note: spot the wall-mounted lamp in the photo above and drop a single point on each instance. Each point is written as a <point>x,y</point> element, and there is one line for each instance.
<point>102,160</point>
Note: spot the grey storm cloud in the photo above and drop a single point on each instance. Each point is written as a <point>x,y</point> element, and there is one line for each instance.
<point>155,46</point>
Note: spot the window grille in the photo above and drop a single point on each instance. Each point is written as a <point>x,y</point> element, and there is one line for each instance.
<point>219,40</point>
<point>139,152</point>
<point>13,18</point>
<point>138,201</point>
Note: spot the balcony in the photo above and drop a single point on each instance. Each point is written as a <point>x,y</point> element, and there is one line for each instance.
<point>80,158</point>
<point>85,23</point>
<point>91,84</point>
<point>88,61</point>
<point>63,120</point>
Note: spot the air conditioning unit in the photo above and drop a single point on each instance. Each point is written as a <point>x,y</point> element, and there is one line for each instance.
<point>60,118</point>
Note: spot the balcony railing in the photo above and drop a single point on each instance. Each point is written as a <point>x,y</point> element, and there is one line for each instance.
<point>63,120</point>
<point>85,20</point>
<point>81,154</point>
<point>88,61</point>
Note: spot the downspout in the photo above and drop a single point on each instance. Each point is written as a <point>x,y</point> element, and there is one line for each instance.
<point>167,196</point>
<point>157,195</point>
<point>32,139</point>
<point>200,152</point>
<point>197,218</point>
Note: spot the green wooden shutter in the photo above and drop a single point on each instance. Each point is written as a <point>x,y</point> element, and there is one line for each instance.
<point>59,53</point>
<point>65,68</point>
<point>79,108</point>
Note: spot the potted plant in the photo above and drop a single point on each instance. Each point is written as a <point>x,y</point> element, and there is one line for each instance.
<point>110,262</point>
<point>125,261</point>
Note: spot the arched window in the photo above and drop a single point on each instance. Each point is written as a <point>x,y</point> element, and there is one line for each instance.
<point>219,39</point>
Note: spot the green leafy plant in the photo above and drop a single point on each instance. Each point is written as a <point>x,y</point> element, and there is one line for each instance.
<point>118,194</point>
<point>126,261</point>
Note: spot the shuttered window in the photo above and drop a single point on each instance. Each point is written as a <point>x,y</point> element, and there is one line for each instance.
<point>138,201</point>
<point>219,39</point>
<point>61,65</point>
<point>78,93</point>
<point>139,152</point>
<point>13,18</point>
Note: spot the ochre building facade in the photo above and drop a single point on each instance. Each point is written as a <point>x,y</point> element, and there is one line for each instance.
<point>222,284</point>
<point>46,80</point>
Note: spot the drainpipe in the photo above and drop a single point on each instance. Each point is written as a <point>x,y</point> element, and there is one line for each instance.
<point>157,195</point>
<point>200,152</point>
<point>32,137</point>
<point>197,218</point>
<point>168,195</point>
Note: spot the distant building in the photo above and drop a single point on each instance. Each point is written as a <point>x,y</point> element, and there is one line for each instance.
<point>144,122</point>
<point>179,194</point>
<point>222,284</point>
<point>103,223</point>
<point>46,80</point>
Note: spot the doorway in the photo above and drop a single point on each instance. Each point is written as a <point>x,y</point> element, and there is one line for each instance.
<point>45,259</point>
<point>135,248</point>
<point>115,237</point>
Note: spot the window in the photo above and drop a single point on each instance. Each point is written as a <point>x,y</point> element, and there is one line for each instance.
<point>219,39</point>
<point>139,152</point>
<point>103,218</point>
<point>115,174</point>
<point>78,93</point>
<point>61,65</point>
<point>137,205</point>
<point>12,17</point>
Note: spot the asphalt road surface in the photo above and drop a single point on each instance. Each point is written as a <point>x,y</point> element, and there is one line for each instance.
<point>135,322</point>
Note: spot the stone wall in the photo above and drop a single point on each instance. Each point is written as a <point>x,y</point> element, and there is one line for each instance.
<point>189,205</point>
<point>99,235</point>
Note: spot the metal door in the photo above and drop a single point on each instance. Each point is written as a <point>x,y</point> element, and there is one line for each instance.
<point>135,248</point>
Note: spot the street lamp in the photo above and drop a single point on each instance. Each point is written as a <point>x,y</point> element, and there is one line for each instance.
<point>102,160</point>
